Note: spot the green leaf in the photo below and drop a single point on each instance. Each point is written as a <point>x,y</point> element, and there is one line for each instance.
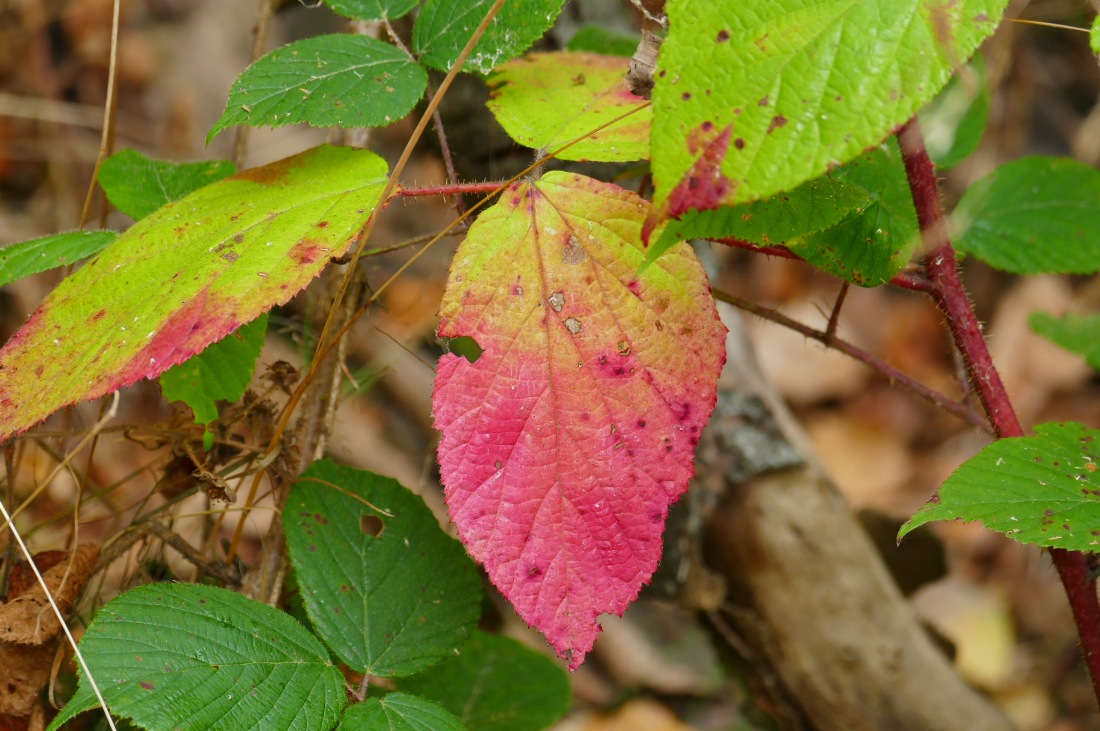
<point>548,99</point>
<point>1043,489</point>
<point>444,27</point>
<point>597,39</point>
<point>782,220</point>
<point>399,712</point>
<point>1035,215</point>
<point>497,684</point>
<point>385,587</point>
<point>138,185</point>
<point>189,656</point>
<point>953,124</point>
<point>327,81</point>
<point>49,252</point>
<point>187,276</point>
<point>869,248</point>
<point>372,9</point>
<point>1094,35</point>
<point>222,372</point>
<point>857,222</point>
<point>759,96</point>
<point>1076,333</point>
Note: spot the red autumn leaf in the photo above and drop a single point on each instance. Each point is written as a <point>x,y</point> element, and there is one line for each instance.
<point>567,440</point>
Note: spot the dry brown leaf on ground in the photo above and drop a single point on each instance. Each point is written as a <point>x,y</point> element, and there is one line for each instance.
<point>24,672</point>
<point>27,618</point>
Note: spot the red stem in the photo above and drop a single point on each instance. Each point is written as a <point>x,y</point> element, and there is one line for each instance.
<point>904,280</point>
<point>952,300</point>
<point>456,189</point>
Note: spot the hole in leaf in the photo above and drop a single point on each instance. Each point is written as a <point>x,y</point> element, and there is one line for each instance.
<point>372,525</point>
<point>465,346</point>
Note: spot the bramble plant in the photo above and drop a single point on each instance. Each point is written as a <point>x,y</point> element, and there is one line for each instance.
<point>789,128</point>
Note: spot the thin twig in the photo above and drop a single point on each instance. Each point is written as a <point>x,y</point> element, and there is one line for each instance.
<point>1045,24</point>
<point>108,114</point>
<point>834,317</point>
<point>217,569</point>
<point>259,42</point>
<point>323,343</point>
<point>930,395</point>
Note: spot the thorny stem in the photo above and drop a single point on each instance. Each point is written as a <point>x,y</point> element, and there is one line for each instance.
<point>951,298</point>
<point>906,279</point>
<point>830,340</point>
<point>454,189</point>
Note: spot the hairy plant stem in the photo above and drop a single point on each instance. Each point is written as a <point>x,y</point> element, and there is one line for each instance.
<point>951,298</point>
<point>455,189</point>
<point>910,280</point>
<point>830,340</point>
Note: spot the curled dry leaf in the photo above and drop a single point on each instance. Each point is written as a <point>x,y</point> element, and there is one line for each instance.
<point>27,619</point>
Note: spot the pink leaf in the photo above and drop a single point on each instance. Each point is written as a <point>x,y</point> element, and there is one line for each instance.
<point>567,440</point>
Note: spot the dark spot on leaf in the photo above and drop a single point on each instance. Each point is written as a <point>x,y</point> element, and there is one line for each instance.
<point>371,525</point>
<point>322,224</point>
<point>739,143</point>
<point>686,95</point>
<point>777,121</point>
<point>763,102</point>
<point>680,411</point>
<point>723,36</point>
<point>146,684</point>
<point>707,126</point>
<point>533,572</point>
<point>641,423</point>
<point>238,238</point>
